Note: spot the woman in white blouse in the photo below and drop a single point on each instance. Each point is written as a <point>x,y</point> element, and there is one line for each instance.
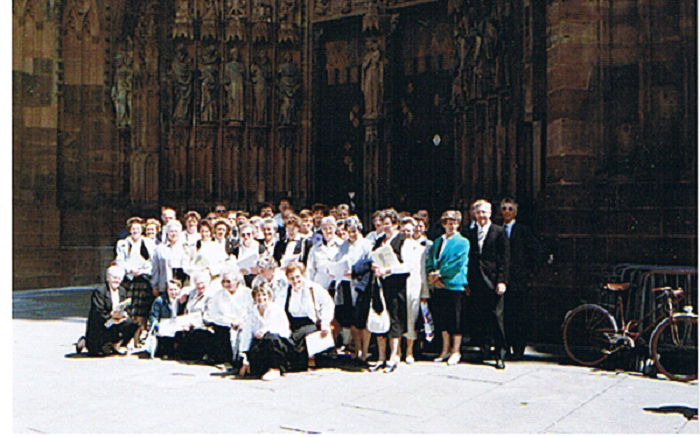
<point>265,343</point>
<point>309,308</point>
<point>323,254</point>
<point>134,255</point>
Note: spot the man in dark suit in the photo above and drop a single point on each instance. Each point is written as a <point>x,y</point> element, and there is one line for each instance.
<point>525,255</point>
<point>489,253</point>
<point>101,339</point>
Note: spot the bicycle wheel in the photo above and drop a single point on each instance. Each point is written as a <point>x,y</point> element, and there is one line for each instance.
<point>674,347</point>
<point>587,331</point>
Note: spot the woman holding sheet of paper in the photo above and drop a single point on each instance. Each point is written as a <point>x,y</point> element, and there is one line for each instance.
<point>309,308</point>
<point>388,267</point>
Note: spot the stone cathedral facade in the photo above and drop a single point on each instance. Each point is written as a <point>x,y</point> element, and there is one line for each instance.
<point>585,111</point>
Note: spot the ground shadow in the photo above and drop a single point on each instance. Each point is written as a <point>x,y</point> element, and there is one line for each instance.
<point>687,412</point>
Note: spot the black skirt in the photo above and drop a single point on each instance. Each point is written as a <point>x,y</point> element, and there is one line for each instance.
<point>345,313</point>
<point>448,307</point>
<point>269,352</point>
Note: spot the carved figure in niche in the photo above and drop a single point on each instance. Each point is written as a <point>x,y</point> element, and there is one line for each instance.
<point>182,82</point>
<point>373,80</point>
<point>289,83</point>
<point>234,77</point>
<point>210,84</point>
<point>121,90</point>
<point>260,76</point>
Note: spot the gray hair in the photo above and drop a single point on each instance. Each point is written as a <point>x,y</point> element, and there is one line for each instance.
<point>330,220</point>
<point>173,224</point>
<point>353,222</point>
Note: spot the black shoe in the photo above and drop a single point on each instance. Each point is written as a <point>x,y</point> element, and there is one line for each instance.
<point>391,367</point>
<point>500,364</point>
<point>378,366</point>
<point>80,345</point>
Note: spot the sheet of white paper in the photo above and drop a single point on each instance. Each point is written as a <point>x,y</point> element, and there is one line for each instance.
<point>286,260</point>
<point>385,257</point>
<point>315,343</point>
<point>248,262</point>
<point>168,327</point>
<point>338,269</point>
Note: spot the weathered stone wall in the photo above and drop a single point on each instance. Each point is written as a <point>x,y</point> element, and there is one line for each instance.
<point>584,110</point>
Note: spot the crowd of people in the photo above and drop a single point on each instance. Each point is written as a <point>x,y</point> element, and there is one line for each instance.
<point>263,295</point>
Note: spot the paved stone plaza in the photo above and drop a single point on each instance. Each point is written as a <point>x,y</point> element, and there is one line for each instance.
<point>55,391</point>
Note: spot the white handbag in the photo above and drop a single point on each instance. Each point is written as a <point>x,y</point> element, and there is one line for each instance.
<point>378,323</point>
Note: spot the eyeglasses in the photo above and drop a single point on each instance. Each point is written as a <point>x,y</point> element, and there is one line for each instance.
<point>508,208</point>
<point>246,233</point>
<point>225,281</point>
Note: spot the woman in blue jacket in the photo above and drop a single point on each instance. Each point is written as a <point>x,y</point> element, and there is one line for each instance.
<point>447,263</point>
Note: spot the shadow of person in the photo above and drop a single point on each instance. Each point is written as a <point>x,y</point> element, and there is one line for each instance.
<point>687,412</point>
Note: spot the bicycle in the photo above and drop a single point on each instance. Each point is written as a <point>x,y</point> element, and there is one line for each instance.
<point>591,334</point>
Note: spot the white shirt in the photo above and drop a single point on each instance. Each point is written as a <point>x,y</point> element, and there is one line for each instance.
<point>129,255</point>
<point>509,227</point>
<point>301,304</point>
<point>167,258</point>
<point>274,321</point>
<point>223,308</point>
<point>320,257</point>
<point>481,237</point>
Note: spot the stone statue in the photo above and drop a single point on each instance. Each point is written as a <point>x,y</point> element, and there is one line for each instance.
<point>234,77</point>
<point>182,82</point>
<point>121,91</point>
<point>372,80</point>
<point>209,85</point>
<point>289,83</point>
<point>260,76</point>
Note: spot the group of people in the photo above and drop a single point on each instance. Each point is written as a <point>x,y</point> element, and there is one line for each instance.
<point>263,294</point>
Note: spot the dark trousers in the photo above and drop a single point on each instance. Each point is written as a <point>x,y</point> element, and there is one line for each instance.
<point>488,319</point>
<point>194,344</point>
<point>119,333</point>
<point>221,350</point>
<point>518,317</point>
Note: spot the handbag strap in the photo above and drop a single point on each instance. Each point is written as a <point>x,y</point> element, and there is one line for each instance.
<point>313,300</point>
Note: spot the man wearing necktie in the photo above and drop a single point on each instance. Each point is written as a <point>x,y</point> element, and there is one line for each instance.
<point>525,253</point>
<point>489,254</point>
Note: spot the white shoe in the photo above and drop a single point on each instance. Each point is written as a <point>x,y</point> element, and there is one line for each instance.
<point>271,375</point>
<point>454,359</point>
<point>410,360</point>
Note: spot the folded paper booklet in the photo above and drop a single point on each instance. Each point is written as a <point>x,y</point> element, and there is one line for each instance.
<point>169,327</point>
<point>316,343</point>
<point>121,307</point>
<point>385,257</point>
